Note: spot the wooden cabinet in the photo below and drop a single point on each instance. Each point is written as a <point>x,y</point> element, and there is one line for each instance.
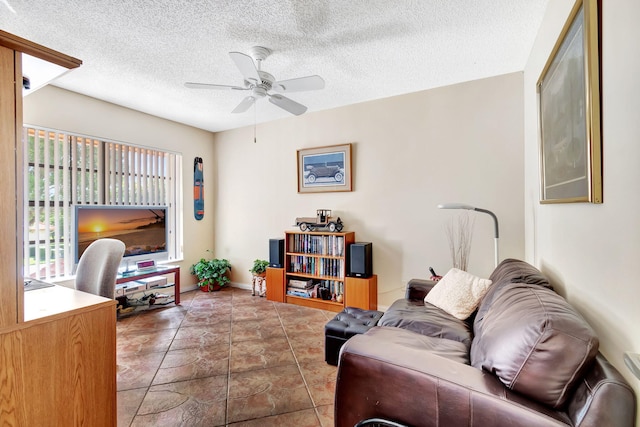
<point>59,366</point>
<point>275,287</point>
<point>10,147</point>
<point>361,292</point>
<point>57,345</point>
<point>320,257</point>
<point>11,183</point>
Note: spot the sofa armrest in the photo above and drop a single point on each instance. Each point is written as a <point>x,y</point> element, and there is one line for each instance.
<point>398,379</point>
<point>417,289</point>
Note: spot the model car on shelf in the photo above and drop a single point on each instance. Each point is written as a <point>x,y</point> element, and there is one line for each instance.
<point>322,221</point>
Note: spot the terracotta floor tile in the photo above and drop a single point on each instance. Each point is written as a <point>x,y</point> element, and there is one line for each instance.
<point>266,392</point>
<point>328,314</point>
<point>305,418</point>
<point>325,413</point>
<point>200,318</point>
<point>191,363</point>
<point>253,312</point>
<point>137,370</point>
<point>128,403</point>
<point>291,310</point>
<point>259,354</point>
<point>315,373</point>
<point>186,298</point>
<point>256,329</point>
<point>314,317</point>
<point>199,402</point>
<point>224,293</point>
<point>147,341</point>
<point>241,297</point>
<point>201,336</point>
<point>123,323</point>
<point>213,305</point>
<point>174,363</point>
<point>160,318</point>
<point>322,393</point>
<point>308,347</point>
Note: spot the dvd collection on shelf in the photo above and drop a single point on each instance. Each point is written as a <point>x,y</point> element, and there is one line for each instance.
<point>308,289</point>
<point>317,266</point>
<point>302,288</point>
<point>331,245</point>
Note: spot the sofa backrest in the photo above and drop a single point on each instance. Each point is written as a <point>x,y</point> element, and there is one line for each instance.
<point>511,271</point>
<point>530,337</point>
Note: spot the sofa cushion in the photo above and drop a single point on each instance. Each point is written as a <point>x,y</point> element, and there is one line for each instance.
<point>514,270</point>
<point>412,343</point>
<point>534,342</point>
<point>458,293</point>
<point>426,319</point>
<point>507,272</point>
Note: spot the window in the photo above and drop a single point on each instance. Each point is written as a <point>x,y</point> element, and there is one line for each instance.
<point>63,170</point>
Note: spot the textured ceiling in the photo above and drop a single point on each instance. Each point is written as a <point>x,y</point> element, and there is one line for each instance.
<point>139,53</point>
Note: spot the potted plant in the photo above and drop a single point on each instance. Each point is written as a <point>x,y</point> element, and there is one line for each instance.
<point>212,274</point>
<point>259,267</point>
<point>259,271</point>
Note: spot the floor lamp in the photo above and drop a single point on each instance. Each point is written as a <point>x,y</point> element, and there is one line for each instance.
<point>473,208</point>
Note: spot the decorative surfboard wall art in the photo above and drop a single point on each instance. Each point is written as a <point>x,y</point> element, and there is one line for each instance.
<point>198,189</point>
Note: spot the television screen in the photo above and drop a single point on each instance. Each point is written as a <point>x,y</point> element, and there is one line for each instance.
<point>142,229</point>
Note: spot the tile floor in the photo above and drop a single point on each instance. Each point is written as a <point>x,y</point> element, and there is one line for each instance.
<point>224,359</point>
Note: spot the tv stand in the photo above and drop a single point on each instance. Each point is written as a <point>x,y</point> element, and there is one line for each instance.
<point>161,270</point>
<point>127,270</point>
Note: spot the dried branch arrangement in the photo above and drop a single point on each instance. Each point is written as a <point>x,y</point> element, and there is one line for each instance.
<point>460,240</point>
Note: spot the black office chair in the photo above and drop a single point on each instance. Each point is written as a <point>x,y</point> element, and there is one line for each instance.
<point>98,267</point>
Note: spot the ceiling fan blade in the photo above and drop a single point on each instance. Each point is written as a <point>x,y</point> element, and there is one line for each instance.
<point>246,66</point>
<point>287,104</point>
<point>244,104</point>
<point>299,84</point>
<point>191,85</point>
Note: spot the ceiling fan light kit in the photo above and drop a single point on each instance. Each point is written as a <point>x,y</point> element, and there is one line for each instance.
<point>260,83</point>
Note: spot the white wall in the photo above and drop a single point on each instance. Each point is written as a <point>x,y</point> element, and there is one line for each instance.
<point>60,109</point>
<point>462,143</point>
<point>590,251</point>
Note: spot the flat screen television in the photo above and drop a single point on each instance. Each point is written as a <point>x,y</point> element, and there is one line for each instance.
<point>142,229</point>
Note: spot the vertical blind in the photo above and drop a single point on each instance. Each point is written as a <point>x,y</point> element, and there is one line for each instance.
<point>63,170</point>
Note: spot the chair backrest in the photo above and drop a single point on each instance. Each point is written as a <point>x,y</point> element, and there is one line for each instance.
<point>98,267</point>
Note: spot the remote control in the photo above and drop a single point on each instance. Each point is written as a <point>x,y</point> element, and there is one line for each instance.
<point>433,273</point>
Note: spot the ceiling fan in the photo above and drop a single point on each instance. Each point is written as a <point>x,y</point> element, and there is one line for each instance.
<point>260,83</point>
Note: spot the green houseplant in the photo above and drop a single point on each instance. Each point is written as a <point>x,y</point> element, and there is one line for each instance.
<point>212,274</point>
<point>259,267</point>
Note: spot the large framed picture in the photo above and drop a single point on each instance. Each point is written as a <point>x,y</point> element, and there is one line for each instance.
<point>569,116</point>
<point>324,169</point>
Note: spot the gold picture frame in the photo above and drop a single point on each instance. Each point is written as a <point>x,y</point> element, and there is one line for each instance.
<point>569,112</point>
<point>324,169</point>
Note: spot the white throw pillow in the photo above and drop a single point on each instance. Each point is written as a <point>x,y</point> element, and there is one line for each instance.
<point>458,293</point>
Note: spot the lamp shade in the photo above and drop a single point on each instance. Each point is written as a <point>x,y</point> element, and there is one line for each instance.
<point>455,206</point>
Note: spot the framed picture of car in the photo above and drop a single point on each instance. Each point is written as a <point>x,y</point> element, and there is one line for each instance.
<point>324,169</point>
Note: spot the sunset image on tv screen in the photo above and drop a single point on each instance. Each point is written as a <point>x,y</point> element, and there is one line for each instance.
<point>141,230</point>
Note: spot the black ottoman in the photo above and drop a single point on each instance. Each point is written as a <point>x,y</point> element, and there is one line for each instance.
<point>349,322</point>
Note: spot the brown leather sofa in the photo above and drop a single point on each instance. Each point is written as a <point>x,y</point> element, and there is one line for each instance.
<point>525,358</point>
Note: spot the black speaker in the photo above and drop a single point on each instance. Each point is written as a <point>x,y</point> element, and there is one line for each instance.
<point>360,259</point>
<point>276,253</point>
